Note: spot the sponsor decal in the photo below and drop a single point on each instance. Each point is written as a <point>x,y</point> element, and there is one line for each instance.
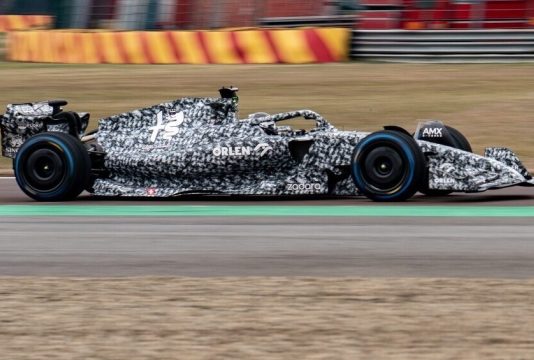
<point>32,126</point>
<point>262,149</point>
<point>445,181</point>
<point>239,151</point>
<point>432,132</point>
<point>303,187</point>
<point>170,129</point>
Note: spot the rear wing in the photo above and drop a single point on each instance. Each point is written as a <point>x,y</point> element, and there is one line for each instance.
<point>21,121</point>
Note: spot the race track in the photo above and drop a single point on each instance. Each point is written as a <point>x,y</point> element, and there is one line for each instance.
<point>497,245</point>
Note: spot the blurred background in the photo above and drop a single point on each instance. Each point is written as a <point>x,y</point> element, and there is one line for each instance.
<point>211,14</point>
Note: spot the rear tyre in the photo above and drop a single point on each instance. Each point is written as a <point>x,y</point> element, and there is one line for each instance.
<point>387,166</point>
<point>459,142</point>
<point>52,166</point>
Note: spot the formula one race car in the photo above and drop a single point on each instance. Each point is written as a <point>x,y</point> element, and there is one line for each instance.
<point>200,146</point>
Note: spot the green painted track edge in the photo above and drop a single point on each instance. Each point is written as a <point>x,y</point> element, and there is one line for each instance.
<point>265,210</point>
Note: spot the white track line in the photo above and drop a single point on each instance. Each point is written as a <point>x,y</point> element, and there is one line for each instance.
<point>7,177</point>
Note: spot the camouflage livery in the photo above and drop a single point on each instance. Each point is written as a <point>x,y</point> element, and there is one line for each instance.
<point>21,121</point>
<point>457,170</point>
<point>199,146</point>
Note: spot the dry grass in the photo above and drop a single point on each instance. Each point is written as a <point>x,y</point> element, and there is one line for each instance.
<point>265,318</point>
<point>491,104</point>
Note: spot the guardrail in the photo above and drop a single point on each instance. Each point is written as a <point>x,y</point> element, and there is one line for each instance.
<point>300,21</point>
<point>443,45</point>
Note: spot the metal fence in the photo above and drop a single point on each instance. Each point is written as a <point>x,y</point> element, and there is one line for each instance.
<point>443,45</point>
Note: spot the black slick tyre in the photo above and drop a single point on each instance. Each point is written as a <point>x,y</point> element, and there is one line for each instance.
<point>52,166</point>
<point>387,166</point>
<point>460,140</point>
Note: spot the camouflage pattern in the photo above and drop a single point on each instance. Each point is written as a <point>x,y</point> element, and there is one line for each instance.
<point>21,121</point>
<point>457,170</point>
<point>199,146</point>
<point>507,157</point>
<point>205,149</point>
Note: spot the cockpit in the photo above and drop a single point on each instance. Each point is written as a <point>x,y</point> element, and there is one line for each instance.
<point>270,123</point>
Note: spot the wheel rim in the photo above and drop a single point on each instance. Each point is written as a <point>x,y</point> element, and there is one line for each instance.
<point>384,167</point>
<point>44,170</point>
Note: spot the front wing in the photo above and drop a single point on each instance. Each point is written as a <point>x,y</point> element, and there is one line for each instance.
<point>462,171</point>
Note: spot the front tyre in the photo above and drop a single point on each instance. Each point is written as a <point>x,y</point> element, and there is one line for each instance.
<point>52,166</point>
<point>387,166</point>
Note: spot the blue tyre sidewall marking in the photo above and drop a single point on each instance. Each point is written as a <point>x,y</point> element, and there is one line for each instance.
<point>407,152</point>
<point>64,149</point>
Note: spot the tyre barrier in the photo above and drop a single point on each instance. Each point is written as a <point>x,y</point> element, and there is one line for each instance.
<point>24,22</point>
<point>247,46</point>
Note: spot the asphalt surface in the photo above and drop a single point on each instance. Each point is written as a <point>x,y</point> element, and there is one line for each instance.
<point>270,246</point>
